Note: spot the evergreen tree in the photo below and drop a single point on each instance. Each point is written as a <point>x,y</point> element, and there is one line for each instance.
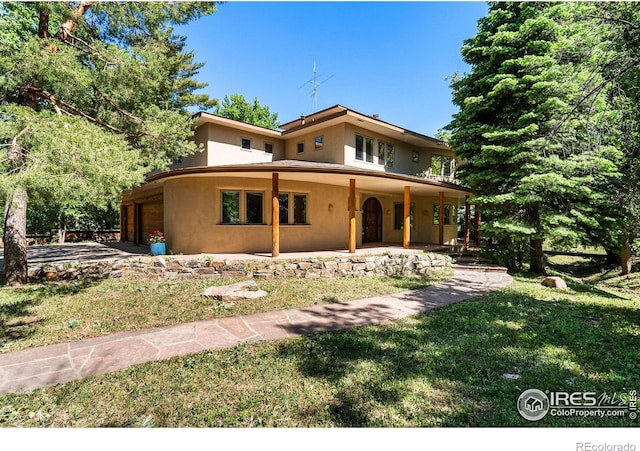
<point>93,95</point>
<point>537,175</point>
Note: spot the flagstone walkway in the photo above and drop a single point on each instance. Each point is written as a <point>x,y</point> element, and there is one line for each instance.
<point>29,369</point>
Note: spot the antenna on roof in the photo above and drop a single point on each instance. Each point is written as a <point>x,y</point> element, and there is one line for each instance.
<point>315,82</point>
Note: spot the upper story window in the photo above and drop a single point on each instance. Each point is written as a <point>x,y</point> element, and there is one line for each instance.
<point>386,153</point>
<point>364,148</point>
<point>268,147</point>
<point>245,143</point>
<point>318,142</point>
<point>301,147</point>
<point>442,165</point>
<point>415,157</point>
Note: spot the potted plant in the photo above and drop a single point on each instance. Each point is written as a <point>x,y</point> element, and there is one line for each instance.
<point>156,241</point>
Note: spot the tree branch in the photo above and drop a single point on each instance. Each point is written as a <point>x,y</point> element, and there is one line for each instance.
<point>68,25</point>
<point>119,109</point>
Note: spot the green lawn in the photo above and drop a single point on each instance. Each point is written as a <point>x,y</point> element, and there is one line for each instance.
<point>38,315</point>
<point>443,368</point>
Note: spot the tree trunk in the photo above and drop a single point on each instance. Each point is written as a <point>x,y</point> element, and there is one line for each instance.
<point>15,238</point>
<point>536,262</point>
<point>625,254</point>
<point>62,230</point>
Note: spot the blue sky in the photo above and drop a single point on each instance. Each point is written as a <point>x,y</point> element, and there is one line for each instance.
<point>389,58</point>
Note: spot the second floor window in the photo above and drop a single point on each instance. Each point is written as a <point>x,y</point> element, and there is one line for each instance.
<point>364,148</point>
<point>442,165</point>
<point>385,154</point>
<point>245,144</point>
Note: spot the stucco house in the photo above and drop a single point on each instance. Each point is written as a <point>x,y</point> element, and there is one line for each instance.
<point>335,179</point>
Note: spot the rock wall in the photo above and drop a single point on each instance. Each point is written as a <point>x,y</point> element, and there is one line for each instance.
<point>164,267</point>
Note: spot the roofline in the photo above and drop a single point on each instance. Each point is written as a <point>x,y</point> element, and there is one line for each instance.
<point>262,168</point>
<point>343,111</point>
<point>238,124</point>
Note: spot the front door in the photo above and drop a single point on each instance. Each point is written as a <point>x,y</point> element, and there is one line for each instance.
<point>372,221</point>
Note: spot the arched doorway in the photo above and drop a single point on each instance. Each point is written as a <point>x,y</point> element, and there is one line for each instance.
<point>372,221</point>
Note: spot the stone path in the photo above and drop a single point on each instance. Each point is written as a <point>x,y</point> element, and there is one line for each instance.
<point>29,369</point>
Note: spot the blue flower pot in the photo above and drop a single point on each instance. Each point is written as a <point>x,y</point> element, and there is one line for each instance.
<point>157,248</point>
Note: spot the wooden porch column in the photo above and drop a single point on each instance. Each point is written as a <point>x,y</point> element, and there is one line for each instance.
<point>352,216</point>
<point>406,231</point>
<point>467,222</point>
<point>478,221</point>
<point>441,218</point>
<point>275,215</point>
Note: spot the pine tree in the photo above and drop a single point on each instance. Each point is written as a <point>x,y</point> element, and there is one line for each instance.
<point>537,175</point>
<point>93,96</point>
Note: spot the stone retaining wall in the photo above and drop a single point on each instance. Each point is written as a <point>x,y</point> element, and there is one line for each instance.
<point>165,267</point>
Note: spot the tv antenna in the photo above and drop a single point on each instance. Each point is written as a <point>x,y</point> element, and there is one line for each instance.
<point>315,82</point>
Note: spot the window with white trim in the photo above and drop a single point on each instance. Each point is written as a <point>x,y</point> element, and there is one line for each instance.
<point>364,148</point>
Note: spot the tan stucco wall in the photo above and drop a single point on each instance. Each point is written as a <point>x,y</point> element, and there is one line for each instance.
<point>223,147</point>
<point>193,215</point>
<point>403,161</point>
<point>423,230</point>
<point>332,150</point>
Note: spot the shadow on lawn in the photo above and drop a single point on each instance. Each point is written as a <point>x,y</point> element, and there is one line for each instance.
<point>445,368</point>
<point>18,307</point>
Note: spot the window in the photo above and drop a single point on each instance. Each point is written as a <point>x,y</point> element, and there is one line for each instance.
<point>415,157</point>
<point>299,211</point>
<point>284,208</point>
<point>385,154</point>
<point>242,207</point>
<point>231,207</point>
<point>368,150</point>
<point>441,165</point>
<point>268,147</point>
<point>364,148</point>
<point>449,216</point>
<point>299,208</point>
<point>318,142</point>
<point>254,207</point>
<point>301,147</point>
<point>398,215</point>
<point>245,143</point>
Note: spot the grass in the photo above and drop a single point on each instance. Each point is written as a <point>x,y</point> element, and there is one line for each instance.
<point>443,368</point>
<point>56,312</point>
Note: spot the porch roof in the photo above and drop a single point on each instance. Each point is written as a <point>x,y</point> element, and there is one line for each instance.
<point>323,173</point>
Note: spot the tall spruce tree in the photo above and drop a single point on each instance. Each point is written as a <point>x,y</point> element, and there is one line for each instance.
<point>92,97</point>
<point>537,175</point>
